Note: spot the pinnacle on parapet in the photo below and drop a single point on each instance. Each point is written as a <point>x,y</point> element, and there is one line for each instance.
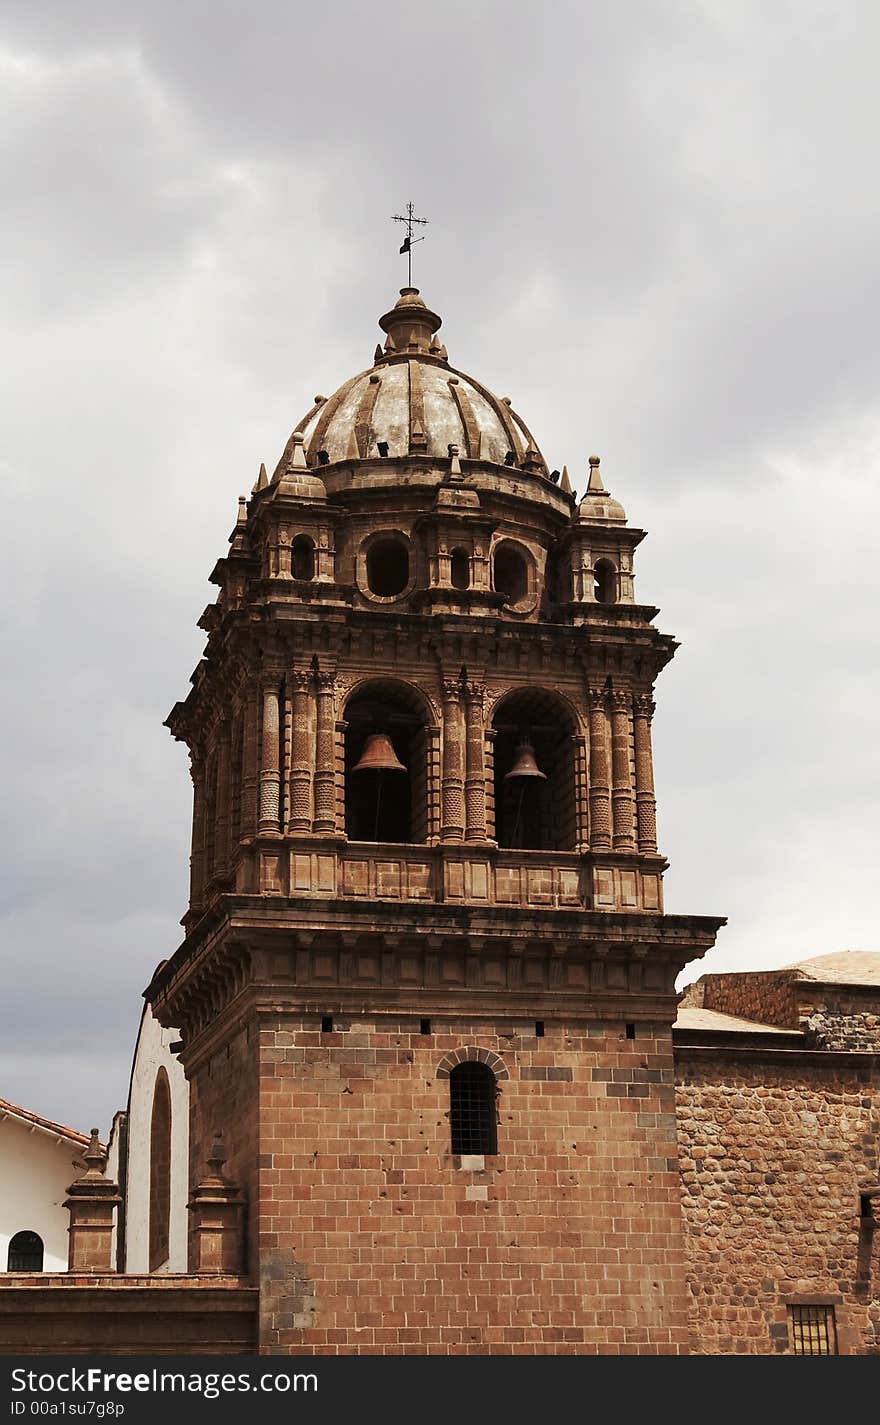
<point>261,481</point>
<point>95,1158</point>
<point>242,510</point>
<point>564,482</point>
<point>454,462</point>
<point>217,1154</point>
<point>595,486</point>
<point>298,458</point>
<point>377,354</point>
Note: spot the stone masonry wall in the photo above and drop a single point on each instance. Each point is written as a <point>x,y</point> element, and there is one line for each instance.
<point>843,1020</point>
<point>375,1239</point>
<point>767,997</point>
<point>773,1154</point>
<point>224,1093</point>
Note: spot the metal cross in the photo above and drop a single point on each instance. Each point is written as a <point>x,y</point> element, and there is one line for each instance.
<point>408,241</point>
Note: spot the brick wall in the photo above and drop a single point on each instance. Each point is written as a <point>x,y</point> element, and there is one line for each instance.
<point>773,1152</point>
<point>224,1094</point>
<point>374,1239</point>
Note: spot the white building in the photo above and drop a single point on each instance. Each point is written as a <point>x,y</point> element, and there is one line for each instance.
<point>39,1160</point>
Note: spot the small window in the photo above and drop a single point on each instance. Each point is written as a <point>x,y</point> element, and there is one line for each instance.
<point>812,1330</point>
<point>511,572</point>
<point>302,558</point>
<point>460,569</point>
<point>327,1024</point>
<point>605,576</point>
<point>472,1114</point>
<point>387,567</point>
<point>25,1253</point>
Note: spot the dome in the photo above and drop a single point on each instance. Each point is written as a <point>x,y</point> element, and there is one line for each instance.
<point>411,402</point>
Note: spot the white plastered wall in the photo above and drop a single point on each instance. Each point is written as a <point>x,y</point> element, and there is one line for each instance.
<point>153,1052</point>
<point>36,1169</point>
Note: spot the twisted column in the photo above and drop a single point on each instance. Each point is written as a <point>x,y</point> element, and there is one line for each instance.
<point>452,781</point>
<point>270,771</point>
<point>600,805</point>
<point>621,776</point>
<point>646,806</point>
<point>475,766</point>
<point>300,797</point>
<point>325,754</point>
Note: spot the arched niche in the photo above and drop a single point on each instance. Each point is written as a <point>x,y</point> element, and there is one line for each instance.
<point>387,806</point>
<point>533,813</point>
<point>160,1172</point>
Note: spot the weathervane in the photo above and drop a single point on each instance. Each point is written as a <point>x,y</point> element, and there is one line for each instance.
<point>408,241</point>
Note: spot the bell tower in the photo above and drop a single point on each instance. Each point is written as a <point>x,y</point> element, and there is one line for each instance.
<point>427,984</point>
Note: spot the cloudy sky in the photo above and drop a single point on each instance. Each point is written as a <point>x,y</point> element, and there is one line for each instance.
<point>654,225</point>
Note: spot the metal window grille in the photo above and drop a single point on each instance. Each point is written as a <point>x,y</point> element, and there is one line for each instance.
<point>472,1112</point>
<point>25,1253</point>
<point>812,1330</point>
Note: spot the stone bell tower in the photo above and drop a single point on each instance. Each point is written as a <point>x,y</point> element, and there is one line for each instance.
<point>426,984</point>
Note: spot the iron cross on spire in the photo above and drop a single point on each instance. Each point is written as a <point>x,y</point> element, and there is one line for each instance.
<point>407,244</point>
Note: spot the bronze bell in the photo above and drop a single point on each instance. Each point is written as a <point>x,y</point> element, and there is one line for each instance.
<point>379,755</point>
<point>524,764</point>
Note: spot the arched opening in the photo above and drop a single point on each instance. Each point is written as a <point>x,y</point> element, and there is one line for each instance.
<point>460,569</point>
<point>387,566</point>
<point>386,731</point>
<point>473,1118</point>
<point>605,576</point>
<point>160,1172</point>
<point>510,571</point>
<point>302,558</point>
<point>25,1253</point>
<point>535,790</point>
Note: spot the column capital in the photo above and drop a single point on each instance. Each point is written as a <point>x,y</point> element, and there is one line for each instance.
<point>643,705</point>
<point>621,700</point>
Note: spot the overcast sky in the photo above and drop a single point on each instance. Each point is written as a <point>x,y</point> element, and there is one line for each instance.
<point>654,225</point>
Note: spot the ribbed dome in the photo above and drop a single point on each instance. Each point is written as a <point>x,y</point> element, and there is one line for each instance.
<point>415,403</point>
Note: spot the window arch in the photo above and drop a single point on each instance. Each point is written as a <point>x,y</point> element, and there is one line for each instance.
<point>605,576</point>
<point>534,731</point>
<point>160,1172</point>
<point>473,1117</point>
<point>25,1253</point>
<point>511,567</point>
<point>386,719</point>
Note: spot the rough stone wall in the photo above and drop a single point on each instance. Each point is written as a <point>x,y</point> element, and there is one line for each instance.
<point>224,1094</point>
<point>844,1021</point>
<point>768,997</point>
<point>375,1239</point>
<point>773,1156</point>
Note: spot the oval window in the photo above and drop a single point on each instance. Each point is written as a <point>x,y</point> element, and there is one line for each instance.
<point>387,567</point>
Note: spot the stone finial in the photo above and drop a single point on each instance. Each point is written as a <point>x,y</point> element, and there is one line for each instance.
<point>454,462</point>
<point>261,481</point>
<point>91,1201</point>
<point>565,482</point>
<point>378,353</point>
<point>216,1220</point>
<point>595,486</point>
<point>242,510</point>
<point>298,458</point>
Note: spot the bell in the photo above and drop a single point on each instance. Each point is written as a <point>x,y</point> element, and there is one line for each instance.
<point>525,765</point>
<point>379,755</point>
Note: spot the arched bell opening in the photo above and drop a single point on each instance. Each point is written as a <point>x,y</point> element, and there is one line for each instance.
<point>386,765</point>
<point>302,558</point>
<point>535,791</point>
<point>460,569</point>
<point>605,586</point>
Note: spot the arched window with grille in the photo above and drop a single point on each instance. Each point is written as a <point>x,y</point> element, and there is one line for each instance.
<point>472,1108</point>
<point>25,1253</point>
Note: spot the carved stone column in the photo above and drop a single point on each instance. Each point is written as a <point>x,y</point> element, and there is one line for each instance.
<point>197,854</point>
<point>621,776</point>
<point>646,807</point>
<point>452,780</point>
<point>224,792</point>
<point>475,767</point>
<point>91,1201</point>
<point>600,805</point>
<point>270,770</point>
<point>250,769</point>
<point>300,797</point>
<point>325,754</point>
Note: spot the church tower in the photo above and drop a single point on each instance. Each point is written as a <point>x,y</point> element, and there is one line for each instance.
<point>427,985</point>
